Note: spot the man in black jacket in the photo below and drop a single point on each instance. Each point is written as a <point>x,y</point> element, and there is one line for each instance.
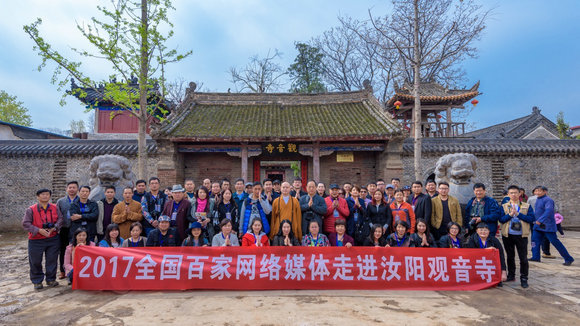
<point>420,202</point>
<point>84,213</point>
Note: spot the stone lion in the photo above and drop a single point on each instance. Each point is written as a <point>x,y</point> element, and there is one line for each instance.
<point>110,170</point>
<point>458,170</point>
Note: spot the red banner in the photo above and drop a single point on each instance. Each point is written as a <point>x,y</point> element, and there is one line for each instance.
<point>285,268</point>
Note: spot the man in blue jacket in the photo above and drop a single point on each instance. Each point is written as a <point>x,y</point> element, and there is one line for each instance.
<point>481,208</point>
<point>545,227</point>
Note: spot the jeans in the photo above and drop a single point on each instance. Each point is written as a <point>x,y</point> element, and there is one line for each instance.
<point>537,239</point>
<point>511,243</point>
<point>49,248</point>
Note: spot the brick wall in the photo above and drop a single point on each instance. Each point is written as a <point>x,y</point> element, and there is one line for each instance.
<point>22,176</point>
<point>359,172</point>
<point>215,166</point>
<point>561,174</point>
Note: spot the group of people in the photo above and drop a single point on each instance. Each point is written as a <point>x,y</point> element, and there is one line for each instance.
<point>273,213</point>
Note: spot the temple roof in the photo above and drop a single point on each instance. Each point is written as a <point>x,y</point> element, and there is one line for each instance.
<point>433,93</point>
<point>95,96</point>
<point>66,147</point>
<point>494,147</point>
<point>516,129</point>
<point>278,116</point>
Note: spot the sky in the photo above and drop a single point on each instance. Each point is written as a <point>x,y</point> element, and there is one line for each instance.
<point>528,55</point>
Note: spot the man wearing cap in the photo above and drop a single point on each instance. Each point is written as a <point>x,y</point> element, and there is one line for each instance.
<point>337,208</point>
<point>545,227</point>
<point>277,188</point>
<point>43,221</point>
<point>164,235</point>
<point>390,194</point>
<point>178,210</point>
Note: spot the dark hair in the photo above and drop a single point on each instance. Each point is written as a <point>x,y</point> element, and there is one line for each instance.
<point>216,183</point>
<point>254,220</point>
<point>298,179</point>
<point>364,188</point>
<point>403,223</point>
<point>202,188</point>
<point>544,188</point>
<point>240,180</point>
<point>168,188</point>
<point>422,220</point>
<point>396,179</point>
<point>356,187</point>
<point>154,178</point>
<point>111,227</point>
<point>430,181</point>
<point>77,232</point>
<point>383,201</point>
<point>43,190</point>
<point>399,190</point>
<point>224,222</point>
<point>374,227</point>
<point>74,182</point>
<point>280,233</point>
<point>135,225</point>
<point>314,221</point>
<point>513,187</point>
<point>372,183</point>
<point>112,187</point>
<point>450,224</point>
<point>86,187</point>
<point>128,188</point>
<point>140,181</point>
<point>257,183</point>
<point>479,185</point>
<point>444,183</point>
<point>266,180</point>
<point>188,179</point>
<point>312,180</point>
<point>232,200</point>
<point>417,182</point>
<point>340,221</point>
<point>224,180</point>
<point>347,183</point>
<point>380,180</point>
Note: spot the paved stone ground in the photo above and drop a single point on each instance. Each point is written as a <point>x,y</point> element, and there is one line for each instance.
<point>553,298</point>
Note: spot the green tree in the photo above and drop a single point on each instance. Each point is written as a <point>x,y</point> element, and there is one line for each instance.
<point>13,111</point>
<point>130,38</point>
<point>306,71</point>
<point>563,127</point>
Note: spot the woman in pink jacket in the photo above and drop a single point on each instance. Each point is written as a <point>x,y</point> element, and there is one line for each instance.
<point>79,239</point>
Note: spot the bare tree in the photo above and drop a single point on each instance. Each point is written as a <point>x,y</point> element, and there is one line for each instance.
<point>260,75</point>
<point>432,37</point>
<point>354,52</point>
<point>176,90</point>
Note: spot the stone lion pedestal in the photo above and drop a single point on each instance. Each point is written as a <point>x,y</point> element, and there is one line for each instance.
<point>458,170</point>
<point>110,170</point>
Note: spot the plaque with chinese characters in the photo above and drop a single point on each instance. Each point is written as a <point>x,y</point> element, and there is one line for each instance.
<point>279,149</point>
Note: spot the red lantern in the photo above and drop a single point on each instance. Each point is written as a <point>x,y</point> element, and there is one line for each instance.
<point>398,104</point>
<point>474,102</point>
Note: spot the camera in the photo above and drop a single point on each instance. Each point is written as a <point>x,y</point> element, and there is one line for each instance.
<point>48,225</point>
<point>472,224</point>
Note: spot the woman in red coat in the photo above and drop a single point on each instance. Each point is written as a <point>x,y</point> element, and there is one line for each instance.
<point>255,236</point>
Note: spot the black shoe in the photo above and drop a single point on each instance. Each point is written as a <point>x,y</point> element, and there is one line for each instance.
<point>567,263</point>
<point>500,285</point>
<point>510,279</point>
<point>536,260</point>
<point>52,284</point>
<point>38,286</point>
<point>525,284</point>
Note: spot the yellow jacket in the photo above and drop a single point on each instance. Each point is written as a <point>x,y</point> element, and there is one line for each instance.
<point>437,211</point>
